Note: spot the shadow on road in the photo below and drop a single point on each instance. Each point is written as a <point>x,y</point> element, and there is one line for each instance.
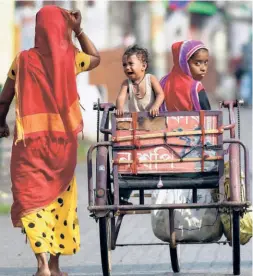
<point>131,270</point>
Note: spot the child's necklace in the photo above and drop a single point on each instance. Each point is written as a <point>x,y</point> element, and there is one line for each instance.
<point>136,88</point>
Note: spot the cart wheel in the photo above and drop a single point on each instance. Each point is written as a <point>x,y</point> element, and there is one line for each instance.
<point>236,243</point>
<point>113,234</point>
<point>105,244</point>
<point>174,259</point>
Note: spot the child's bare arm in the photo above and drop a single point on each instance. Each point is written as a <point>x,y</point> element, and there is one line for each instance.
<point>159,96</point>
<point>120,102</point>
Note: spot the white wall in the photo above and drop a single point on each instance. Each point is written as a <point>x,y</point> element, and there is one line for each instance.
<point>25,19</point>
<point>89,94</point>
<point>95,23</point>
<point>176,28</point>
<point>6,37</point>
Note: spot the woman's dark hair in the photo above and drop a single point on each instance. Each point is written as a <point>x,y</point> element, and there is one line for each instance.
<point>195,53</point>
<point>141,53</point>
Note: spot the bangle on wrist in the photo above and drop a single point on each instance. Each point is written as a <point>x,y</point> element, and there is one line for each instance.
<point>81,30</point>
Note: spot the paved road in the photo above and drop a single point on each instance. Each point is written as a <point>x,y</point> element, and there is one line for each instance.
<point>17,259</point>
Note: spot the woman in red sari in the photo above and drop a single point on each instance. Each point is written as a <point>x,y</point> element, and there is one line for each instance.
<point>48,119</point>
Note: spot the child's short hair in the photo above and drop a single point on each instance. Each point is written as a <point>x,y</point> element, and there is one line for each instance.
<point>140,52</point>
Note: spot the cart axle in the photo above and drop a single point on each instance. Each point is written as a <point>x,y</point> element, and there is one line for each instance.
<point>229,204</point>
<point>165,243</point>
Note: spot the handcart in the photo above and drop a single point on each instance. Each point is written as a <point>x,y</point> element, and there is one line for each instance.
<point>183,149</point>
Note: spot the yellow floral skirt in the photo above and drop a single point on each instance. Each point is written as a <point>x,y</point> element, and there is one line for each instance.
<point>55,229</point>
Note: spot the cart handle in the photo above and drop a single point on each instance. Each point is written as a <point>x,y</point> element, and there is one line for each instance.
<point>230,106</point>
<point>230,126</point>
<point>106,108</point>
<point>103,106</point>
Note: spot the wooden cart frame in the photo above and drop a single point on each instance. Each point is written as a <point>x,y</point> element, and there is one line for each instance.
<point>103,192</point>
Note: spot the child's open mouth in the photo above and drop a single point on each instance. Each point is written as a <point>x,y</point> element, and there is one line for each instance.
<point>130,73</point>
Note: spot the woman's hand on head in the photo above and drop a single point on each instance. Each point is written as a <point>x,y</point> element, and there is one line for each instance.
<point>76,18</point>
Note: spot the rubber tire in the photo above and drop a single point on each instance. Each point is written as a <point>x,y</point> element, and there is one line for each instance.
<point>105,244</point>
<point>113,233</point>
<point>174,260</point>
<point>236,243</point>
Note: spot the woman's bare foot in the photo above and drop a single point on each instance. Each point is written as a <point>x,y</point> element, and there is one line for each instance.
<point>59,273</point>
<point>43,269</point>
<point>53,265</point>
<point>43,272</point>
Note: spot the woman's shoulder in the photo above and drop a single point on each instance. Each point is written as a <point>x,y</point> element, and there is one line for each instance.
<point>13,69</point>
<point>82,61</point>
<point>17,56</point>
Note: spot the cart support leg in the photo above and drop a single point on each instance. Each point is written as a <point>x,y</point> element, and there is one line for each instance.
<point>236,242</point>
<point>141,197</point>
<point>234,168</point>
<point>194,195</point>
<point>172,230</point>
<point>173,245</point>
<point>117,228</point>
